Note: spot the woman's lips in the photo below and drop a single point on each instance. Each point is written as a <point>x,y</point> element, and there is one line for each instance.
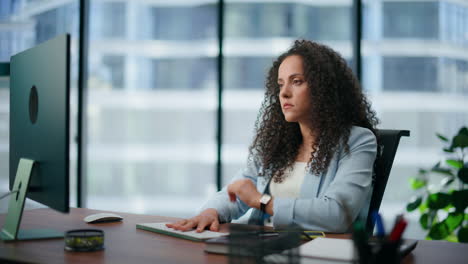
<point>287,106</point>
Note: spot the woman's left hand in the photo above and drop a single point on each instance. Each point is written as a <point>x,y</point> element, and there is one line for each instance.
<point>246,191</point>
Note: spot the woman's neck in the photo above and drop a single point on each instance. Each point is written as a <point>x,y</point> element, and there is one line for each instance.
<point>308,140</point>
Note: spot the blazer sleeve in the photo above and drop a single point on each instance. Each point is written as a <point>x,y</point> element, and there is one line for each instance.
<point>228,210</point>
<point>347,192</point>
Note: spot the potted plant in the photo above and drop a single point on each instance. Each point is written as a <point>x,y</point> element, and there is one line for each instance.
<point>442,205</point>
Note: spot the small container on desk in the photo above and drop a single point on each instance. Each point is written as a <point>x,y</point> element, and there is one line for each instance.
<point>84,240</point>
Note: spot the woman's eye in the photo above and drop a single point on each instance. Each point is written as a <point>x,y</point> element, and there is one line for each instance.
<point>297,82</point>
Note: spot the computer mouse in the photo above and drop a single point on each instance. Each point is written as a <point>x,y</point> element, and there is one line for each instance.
<point>102,217</point>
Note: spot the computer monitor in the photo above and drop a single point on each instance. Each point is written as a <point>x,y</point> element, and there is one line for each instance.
<point>39,133</point>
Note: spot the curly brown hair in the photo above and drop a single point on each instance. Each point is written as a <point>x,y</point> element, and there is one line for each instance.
<point>338,104</point>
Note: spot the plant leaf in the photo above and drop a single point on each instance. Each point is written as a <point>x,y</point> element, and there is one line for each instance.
<point>463,234</point>
<point>448,208</point>
<point>457,164</point>
<point>422,171</point>
<point>442,171</point>
<point>460,141</point>
<point>417,183</point>
<point>441,137</point>
<point>452,238</point>
<point>423,207</point>
<point>415,202</point>
<point>438,200</point>
<point>454,220</point>
<point>448,150</point>
<point>460,200</point>
<point>423,220</point>
<point>439,231</point>
<point>463,175</point>
<point>463,131</point>
<point>426,220</point>
<point>446,181</point>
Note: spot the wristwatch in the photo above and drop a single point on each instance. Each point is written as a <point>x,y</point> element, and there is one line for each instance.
<point>264,200</point>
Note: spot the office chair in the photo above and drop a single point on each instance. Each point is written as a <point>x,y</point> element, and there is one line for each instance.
<point>388,141</point>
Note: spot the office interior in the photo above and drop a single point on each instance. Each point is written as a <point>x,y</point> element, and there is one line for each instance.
<point>164,124</point>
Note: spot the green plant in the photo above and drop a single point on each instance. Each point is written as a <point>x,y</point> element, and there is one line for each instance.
<point>442,206</point>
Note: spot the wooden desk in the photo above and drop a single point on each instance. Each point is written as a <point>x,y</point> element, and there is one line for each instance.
<point>126,244</point>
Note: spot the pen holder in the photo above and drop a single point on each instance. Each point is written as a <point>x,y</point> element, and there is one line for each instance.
<point>379,252</point>
<point>386,252</point>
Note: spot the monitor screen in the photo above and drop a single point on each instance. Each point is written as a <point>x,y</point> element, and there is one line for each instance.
<point>39,119</point>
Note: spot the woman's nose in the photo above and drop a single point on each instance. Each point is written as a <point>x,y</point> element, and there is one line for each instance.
<point>285,92</point>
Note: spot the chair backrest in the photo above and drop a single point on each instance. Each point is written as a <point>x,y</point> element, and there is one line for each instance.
<point>388,141</point>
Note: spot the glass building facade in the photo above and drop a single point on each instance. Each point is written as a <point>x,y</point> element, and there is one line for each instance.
<point>153,90</point>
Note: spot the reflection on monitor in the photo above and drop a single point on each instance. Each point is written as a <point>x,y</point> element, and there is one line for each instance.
<point>39,133</point>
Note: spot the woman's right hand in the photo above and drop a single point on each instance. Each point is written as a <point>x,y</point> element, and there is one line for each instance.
<point>207,218</point>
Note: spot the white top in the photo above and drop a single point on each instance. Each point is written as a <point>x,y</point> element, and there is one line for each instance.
<point>291,185</point>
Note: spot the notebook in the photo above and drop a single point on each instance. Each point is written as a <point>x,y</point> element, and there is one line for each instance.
<point>329,248</point>
<point>161,228</point>
<point>335,250</point>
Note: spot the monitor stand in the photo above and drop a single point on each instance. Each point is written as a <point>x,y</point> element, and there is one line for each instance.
<point>10,230</point>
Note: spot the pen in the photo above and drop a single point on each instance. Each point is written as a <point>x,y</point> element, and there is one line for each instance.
<point>262,233</point>
<point>309,232</point>
<point>267,234</point>
<point>397,220</point>
<point>398,230</point>
<point>379,224</point>
<point>361,241</point>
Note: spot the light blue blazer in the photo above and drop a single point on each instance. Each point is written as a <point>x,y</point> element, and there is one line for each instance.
<point>322,199</point>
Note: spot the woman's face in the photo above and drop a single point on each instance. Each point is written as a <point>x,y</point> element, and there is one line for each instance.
<point>294,90</point>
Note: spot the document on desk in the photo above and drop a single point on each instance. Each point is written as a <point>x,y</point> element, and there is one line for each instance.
<point>331,249</point>
<point>161,228</point>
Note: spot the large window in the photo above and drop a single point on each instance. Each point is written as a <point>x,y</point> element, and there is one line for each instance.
<point>152,104</point>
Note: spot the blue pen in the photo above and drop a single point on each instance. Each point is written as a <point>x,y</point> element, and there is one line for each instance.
<point>378,223</point>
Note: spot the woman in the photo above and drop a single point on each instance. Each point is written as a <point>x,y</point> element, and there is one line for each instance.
<point>312,158</point>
